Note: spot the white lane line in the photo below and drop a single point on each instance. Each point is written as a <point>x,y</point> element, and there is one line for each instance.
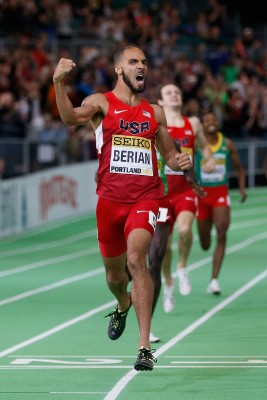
<point>93,232</point>
<point>248,224</point>
<point>39,230</point>
<point>38,392</point>
<point>77,392</point>
<point>255,194</point>
<point>49,245</point>
<point>221,362</point>
<point>233,227</point>
<point>229,250</point>
<point>55,285</point>
<point>101,270</point>
<point>132,357</point>
<point>95,250</point>
<point>219,356</point>
<point>120,385</point>
<point>248,211</point>
<point>49,261</point>
<point>57,329</point>
<point>123,382</point>
<point>129,367</point>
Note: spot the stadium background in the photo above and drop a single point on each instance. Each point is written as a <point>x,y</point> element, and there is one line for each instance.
<point>215,50</point>
<point>53,295</point>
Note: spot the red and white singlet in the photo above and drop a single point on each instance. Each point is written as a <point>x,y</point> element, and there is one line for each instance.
<point>177,182</point>
<point>125,142</point>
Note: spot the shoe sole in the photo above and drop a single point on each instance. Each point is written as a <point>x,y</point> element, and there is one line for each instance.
<point>154,341</point>
<point>215,293</point>
<point>170,306</point>
<point>143,367</point>
<point>185,292</point>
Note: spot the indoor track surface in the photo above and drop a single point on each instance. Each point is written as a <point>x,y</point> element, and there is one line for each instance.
<point>53,330</point>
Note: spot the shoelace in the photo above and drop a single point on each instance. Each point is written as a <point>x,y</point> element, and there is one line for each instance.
<point>146,354</point>
<point>116,317</point>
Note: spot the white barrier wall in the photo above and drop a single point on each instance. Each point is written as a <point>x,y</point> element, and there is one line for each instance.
<point>43,197</point>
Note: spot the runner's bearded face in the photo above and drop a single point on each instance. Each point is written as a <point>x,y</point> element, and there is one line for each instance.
<point>137,85</point>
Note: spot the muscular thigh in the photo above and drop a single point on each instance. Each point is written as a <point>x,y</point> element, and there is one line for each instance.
<point>111,217</point>
<point>216,197</point>
<point>116,220</point>
<point>143,215</point>
<point>185,201</point>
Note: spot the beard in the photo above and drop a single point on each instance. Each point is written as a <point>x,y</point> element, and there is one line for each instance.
<point>127,82</point>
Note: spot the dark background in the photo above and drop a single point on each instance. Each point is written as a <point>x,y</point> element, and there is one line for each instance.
<point>250,12</point>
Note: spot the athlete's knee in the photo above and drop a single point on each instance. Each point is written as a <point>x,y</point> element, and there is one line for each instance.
<point>222,230</point>
<point>205,243</point>
<point>185,233</point>
<point>135,262</point>
<point>221,236</point>
<point>205,246</point>
<point>114,277</point>
<point>156,276</point>
<point>154,267</point>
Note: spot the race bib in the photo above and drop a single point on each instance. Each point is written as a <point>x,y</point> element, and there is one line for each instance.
<point>162,214</point>
<point>131,155</point>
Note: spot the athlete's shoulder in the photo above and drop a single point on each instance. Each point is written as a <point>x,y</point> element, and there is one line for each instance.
<point>93,99</point>
<point>194,119</point>
<point>195,123</point>
<point>229,143</point>
<point>99,103</point>
<point>159,113</point>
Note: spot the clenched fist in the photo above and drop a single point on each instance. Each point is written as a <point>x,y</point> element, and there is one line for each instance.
<point>63,68</point>
<point>184,161</point>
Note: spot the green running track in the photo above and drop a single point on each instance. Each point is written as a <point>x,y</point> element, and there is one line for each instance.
<point>53,334</point>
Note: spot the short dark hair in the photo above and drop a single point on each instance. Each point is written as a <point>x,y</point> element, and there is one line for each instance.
<point>207,111</point>
<point>162,85</point>
<point>120,50</point>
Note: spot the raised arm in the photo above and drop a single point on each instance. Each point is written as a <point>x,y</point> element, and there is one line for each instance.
<point>241,176</point>
<point>70,115</point>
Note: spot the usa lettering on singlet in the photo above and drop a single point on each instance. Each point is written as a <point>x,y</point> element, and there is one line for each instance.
<point>131,155</point>
<point>126,149</point>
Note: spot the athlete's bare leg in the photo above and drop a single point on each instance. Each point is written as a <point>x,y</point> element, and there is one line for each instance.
<point>221,219</point>
<point>118,279</point>
<point>185,237</point>
<point>156,254</point>
<point>166,263</point>
<point>204,232</point>
<point>168,292</point>
<point>142,286</point>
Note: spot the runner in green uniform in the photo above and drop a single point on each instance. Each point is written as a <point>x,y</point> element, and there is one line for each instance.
<point>214,209</point>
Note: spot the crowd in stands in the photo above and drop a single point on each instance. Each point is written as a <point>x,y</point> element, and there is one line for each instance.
<point>216,61</point>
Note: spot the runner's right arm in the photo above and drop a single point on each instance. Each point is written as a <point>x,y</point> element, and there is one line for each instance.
<point>78,115</point>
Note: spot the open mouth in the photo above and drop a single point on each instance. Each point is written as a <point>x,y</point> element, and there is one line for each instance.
<point>212,128</point>
<point>140,78</point>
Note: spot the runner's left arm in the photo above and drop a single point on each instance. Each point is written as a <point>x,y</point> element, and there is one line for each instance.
<point>241,176</point>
